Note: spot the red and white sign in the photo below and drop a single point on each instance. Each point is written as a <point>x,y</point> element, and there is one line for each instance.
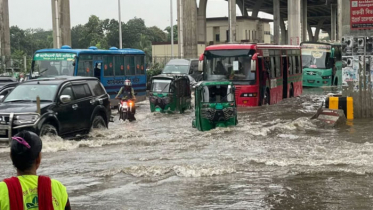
<point>361,14</point>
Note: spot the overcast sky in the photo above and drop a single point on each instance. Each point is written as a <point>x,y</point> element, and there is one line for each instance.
<point>37,13</point>
<point>154,12</point>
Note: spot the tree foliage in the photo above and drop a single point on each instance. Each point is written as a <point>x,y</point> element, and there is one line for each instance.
<point>96,32</point>
<point>176,35</point>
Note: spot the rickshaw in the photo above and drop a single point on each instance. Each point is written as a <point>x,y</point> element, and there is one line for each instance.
<point>170,93</point>
<point>215,105</point>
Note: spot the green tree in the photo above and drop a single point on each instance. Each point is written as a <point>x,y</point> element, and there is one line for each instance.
<point>168,29</point>
<point>77,36</point>
<point>155,34</point>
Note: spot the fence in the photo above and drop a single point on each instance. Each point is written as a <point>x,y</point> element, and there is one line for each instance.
<point>357,73</point>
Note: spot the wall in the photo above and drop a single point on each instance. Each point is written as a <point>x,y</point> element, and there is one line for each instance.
<point>161,52</point>
<point>245,30</point>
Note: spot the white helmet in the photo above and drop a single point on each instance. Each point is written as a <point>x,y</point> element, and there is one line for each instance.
<point>128,82</point>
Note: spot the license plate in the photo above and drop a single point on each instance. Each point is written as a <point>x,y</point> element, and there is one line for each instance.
<point>2,132</point>
<point>311,81</point>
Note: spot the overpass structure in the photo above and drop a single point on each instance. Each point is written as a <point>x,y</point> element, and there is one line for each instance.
<point>293,20</point>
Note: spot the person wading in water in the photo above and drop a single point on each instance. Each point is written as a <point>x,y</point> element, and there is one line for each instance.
<point>28,191</point>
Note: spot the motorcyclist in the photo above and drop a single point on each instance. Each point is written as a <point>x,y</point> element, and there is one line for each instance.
<point>127,93</point>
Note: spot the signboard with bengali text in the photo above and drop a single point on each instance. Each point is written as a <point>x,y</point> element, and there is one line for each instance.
<point>361,14</point>
<point>54,57</point>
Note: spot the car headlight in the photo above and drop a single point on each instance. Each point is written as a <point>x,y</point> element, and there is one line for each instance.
<point>25,119</point>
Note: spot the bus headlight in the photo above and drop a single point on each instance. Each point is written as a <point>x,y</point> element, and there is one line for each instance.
<point>25,119</point>
<point>327,77</point>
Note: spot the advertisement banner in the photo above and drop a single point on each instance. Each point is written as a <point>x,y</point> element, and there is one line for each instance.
<point>350,70</point>
<point>361,14</point>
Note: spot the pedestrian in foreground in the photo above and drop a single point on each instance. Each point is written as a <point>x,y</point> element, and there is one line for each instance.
<point>28,191</point>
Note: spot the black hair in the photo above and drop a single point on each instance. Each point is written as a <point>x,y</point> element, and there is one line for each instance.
<point>23,158</point>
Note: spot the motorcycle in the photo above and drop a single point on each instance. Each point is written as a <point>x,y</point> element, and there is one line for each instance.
<point>126,110</point>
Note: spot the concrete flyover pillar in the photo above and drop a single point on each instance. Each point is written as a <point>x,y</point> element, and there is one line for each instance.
<point>202,21</point>
<point>333,31</point>
<point>284,32</point>
<point>256,9</point>
<point>294,22</point>
<point>304,20</point>
<point>4,34</point>
<point>243,8</point>
<point>61,23</point>
<point>276,22</point>
<point>232,20</point>
<point>189,28</point>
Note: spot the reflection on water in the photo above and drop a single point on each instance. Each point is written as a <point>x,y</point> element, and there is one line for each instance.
<point>276,158</point>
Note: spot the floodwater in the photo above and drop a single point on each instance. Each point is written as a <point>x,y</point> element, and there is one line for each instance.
<point>276,158</point>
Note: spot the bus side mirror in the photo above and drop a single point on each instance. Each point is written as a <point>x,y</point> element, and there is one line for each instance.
<point>253,66</point>
<point>253,62</point>
<point>200,66</point>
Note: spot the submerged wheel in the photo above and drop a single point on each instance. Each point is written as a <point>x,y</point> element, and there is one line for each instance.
<point>98,122</point>
<point>266,99</point>
<point>48,129</point>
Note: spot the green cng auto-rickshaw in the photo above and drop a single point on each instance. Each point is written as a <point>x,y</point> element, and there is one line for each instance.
<point>170,93</point>
<point>215,105</point>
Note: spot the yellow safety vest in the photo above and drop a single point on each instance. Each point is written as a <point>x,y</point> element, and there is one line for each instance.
<point>29,185</point>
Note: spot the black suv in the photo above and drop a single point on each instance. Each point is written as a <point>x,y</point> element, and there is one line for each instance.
<point>69,105</point>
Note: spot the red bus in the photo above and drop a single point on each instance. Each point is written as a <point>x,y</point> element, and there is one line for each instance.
<point>262,74</point>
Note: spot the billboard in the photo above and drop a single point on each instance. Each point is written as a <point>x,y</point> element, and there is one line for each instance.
<point>361,14</point>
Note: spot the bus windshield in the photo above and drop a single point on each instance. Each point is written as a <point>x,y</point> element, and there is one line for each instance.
<point>316,56</point>
<point>233,65</point>
<point>161,86</point>
<point>53,64</point>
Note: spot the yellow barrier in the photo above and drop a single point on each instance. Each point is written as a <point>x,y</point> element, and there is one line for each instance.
<point>344,103</point>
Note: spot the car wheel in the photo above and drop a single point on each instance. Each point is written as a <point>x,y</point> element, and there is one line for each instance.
<point>98,122</point>
<point>48,129</point>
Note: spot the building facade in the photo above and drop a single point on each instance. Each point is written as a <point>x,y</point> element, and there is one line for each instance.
<point>248,29</point>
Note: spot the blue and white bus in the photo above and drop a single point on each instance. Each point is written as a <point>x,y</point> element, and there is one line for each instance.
<point>111,66</point>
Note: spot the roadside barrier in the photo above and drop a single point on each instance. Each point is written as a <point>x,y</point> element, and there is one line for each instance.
<point>344,103</point>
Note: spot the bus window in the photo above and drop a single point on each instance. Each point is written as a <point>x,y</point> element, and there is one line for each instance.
<point>108,66</point>
<point>297,63</point>
<point>119,66</point>
<point>278,66</point>
<point>129,65</point>
<point>273,70</point>
<point>293,68</point>
<point>139,60</point>
<point>85,68</point>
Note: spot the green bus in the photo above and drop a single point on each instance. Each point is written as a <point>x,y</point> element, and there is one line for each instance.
<point>322,64</point>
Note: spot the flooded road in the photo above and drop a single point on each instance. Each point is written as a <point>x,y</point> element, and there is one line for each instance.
<point>276,158</point>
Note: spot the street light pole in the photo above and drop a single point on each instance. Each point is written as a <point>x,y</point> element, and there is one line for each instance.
<point>120,26</point>
<point>58,36</point>
<point>172,31</point>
